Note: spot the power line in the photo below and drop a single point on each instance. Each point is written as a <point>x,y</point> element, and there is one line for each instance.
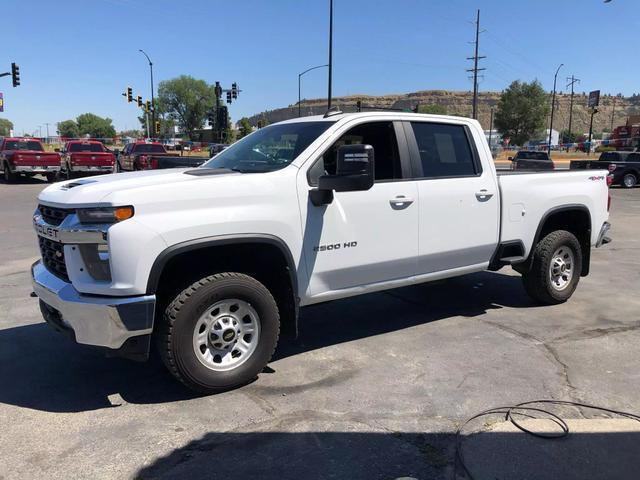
<point>475,68</point>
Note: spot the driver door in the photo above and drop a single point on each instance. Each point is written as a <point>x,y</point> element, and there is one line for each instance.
<point>361,238</point>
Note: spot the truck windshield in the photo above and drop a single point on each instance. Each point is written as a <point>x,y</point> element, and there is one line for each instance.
<point>270,148</point>
<point>19,145</point>
<point>86,147</point>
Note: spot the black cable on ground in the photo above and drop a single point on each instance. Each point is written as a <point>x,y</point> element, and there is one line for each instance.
<point>526,410</point>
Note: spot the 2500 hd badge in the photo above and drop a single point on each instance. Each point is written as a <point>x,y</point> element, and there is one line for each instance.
<point>334,246</point>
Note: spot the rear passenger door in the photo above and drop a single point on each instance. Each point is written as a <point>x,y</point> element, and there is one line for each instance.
<point>459,209</point>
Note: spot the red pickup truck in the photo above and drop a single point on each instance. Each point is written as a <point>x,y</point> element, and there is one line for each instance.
<point>152,156</point>
<point>26,156</point>
<point>84,157</point>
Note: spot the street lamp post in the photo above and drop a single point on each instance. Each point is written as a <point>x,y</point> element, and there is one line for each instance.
<point>153,101</point>
<point>553,106</point>
<point>491,130</point>
<point>330,53</point>
<point>299,77</point>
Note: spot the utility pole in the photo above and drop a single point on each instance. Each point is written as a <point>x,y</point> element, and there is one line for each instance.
<point>299,85</point>
<point>613,112</point>
<point>572,81</point>
<point>475,68</point>
<point>47,133</point>
<point>594,110</point>
<point>553,107</point>
<point>330,52</point>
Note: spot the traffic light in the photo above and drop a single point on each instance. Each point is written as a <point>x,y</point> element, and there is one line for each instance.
<point>211,119</point>
<point>139,100</point>
<point>157,127</point>
<point>228,97</point>
<point>234,90</point>
<point>223,117</point>
<point>129,94</point>
<point>148,105</point>
<point>15,74</point>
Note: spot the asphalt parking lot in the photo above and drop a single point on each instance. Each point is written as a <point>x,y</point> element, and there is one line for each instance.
<point>374,387</point>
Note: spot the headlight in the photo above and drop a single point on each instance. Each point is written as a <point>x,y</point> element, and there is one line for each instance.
<point>104,215</point>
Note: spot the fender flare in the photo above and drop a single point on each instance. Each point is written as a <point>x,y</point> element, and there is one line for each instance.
<point>161,260</point>
<point>586,255</point>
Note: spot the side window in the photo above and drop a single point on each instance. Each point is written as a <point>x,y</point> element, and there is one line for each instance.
<point>444,150</point>
<point>380,135</point>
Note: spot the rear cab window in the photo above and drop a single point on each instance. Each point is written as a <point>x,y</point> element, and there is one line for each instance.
<point>86,147</point>
<point>444,150</point>
<point>148,148</point>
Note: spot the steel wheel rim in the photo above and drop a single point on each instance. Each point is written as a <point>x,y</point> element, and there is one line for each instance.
<point>226,335</point>
<point>629,180</point>
<point>561,268</point>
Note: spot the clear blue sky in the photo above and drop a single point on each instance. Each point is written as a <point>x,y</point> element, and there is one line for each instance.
<point>77,56</point>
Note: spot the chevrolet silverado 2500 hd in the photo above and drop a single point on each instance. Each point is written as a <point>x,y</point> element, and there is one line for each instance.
<point>210,262</point>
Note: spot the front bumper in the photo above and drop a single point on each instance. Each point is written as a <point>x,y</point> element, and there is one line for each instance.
<point>603,239</point>
<point>108,322</point>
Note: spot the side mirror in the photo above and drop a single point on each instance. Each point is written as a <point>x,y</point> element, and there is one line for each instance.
<point>354,172</point>
<point>510,159</point>
<point>57,150</point>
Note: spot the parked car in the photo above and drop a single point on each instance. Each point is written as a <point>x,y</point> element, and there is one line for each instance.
<point>152,156</point>
<point>85,157</point>
<point>216,148</point>
<point>624,167</point>
<point>213,261</point>
<point>531,160</point>
<point>26,156</point>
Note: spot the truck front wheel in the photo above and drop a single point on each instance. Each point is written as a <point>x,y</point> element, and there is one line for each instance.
<point>556,267</point>
<point>220,332</point>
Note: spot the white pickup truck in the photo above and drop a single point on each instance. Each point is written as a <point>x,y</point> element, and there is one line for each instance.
<point>211,262</point>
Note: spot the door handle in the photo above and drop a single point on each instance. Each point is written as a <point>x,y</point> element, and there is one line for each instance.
<point>483,195</point>
<point>400,202</point>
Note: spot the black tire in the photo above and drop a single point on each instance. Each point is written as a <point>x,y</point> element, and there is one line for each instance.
<point>8,175</point>
<point>175,333</point>
<point>629,180</point>
<point>537,281</point>
<point>51,177</point>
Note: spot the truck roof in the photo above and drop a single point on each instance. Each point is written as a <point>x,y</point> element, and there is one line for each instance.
<point>21,139</point>
<point>337,116</point>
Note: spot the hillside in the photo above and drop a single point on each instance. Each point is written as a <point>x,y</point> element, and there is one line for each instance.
<point>459,103</point>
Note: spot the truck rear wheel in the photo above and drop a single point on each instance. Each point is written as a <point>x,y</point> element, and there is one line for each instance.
<point>629,180</point>
<point>556,267</point>
<point>8,175</point>
<point>220,332</point>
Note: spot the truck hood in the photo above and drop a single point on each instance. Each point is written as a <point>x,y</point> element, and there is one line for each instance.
<point>93,191</point>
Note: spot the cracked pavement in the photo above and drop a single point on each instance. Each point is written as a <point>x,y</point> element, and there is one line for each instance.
<point>374,387</point>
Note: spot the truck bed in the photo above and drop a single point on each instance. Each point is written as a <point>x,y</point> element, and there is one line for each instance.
<point>526,197</point>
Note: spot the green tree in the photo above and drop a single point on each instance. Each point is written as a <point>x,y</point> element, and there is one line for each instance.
<point>131,133</point>
<point>433,109</point>
<point>522,111</point>
<point>5,127</point>
<point>263,122</point>
<point>186,100</point>
<point>244,127</point>
<point>68,129</point>
<point>95,126</point>
<point>569,137</point>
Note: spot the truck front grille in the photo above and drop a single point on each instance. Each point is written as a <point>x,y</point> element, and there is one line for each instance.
<point>53,257</point>
<point>53,215</point>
